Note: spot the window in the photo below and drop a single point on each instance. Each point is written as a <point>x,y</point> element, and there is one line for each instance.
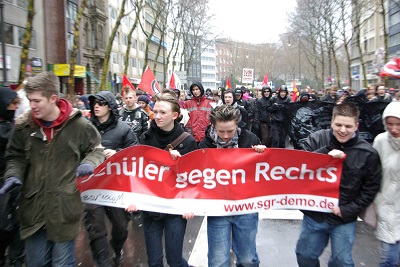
<point>22,3</point>
<point>113,12</point>
<point>124,39</point>
<point>72,10</point>
<point>134,43</point>
<point>394,40</point>
<point>141,46</point>
<point>8,34</point>
<point>93,37</point>
<point>114,58</point>
<point>70,41</point>
<point>116,38</point>
<point>394,19</point>
<point>140,62</point>
<point>87,34</point>
<point>133,62</point>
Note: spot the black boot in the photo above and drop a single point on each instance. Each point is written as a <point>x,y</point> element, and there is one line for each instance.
<point>118,258</point>
<point>100,252</point>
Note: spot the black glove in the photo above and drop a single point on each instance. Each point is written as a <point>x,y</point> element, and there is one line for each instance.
<point>84,169</point>
<point>12,183</point>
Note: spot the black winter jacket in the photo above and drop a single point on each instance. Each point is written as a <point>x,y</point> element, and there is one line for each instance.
<point>247,139</point>
<point>115,134</point>
<point>262,114</point>
<point>361,175</point>
<point>277,108</point>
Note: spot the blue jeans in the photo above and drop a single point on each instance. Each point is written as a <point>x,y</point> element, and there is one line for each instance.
<point>389,254</point>
<point>41,252</point>
<point>173,227</point>
<point>244,231</point>
<point>314,238</point>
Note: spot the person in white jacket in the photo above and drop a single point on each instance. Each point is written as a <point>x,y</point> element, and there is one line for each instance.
<point>388,199</point>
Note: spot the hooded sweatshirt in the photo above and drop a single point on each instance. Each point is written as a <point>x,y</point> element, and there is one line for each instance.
<point>49,127</point>
<point>6,125</point>
<point>387,208</point>
<point>261,114</point>
<point>7,95</point>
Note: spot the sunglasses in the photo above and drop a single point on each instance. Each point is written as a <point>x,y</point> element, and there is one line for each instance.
<point>101,103</point>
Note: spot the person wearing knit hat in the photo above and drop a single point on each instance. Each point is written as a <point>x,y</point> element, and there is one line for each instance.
<point>144,102</point>
<point>387,201</point>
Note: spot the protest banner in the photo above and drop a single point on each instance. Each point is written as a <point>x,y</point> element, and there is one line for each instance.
<point>215,182</point>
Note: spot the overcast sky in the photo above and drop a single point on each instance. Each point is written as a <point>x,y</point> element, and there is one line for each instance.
<point>253,21</point>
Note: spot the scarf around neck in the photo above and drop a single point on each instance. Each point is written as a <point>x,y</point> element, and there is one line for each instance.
<point>219,143</point>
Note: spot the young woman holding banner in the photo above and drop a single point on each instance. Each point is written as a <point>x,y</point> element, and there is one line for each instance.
<point>224,132</point>
<point>164,129</point>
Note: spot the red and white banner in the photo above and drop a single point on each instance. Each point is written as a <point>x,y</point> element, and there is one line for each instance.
<point>215,182</point>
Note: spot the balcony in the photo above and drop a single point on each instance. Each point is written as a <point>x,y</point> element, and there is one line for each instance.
<point>97,13</point>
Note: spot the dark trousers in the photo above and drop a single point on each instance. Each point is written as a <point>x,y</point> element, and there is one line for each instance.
<point>265,130</point>
<point>173,227</point>
<point>95,223</point>
<point>16,251</point>
<point>278,134</point>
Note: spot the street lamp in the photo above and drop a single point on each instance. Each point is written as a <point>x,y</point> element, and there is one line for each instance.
<point>3,45</point>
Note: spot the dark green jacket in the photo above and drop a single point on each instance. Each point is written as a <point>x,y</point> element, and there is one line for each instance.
<point>49,196</point>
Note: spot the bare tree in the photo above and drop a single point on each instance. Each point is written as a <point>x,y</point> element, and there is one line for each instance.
<point>74,51</point>
<point>345,16</point>
<point>138,5</point>
<point>196,29</point>
<point>109,45</point>
<point>156,9</point>
<point>26,41</point>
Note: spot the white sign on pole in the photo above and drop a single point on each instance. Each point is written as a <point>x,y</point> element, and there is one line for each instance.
<point>248,75</point>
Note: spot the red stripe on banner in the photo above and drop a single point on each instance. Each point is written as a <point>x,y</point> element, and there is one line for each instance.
<point>209,180</point>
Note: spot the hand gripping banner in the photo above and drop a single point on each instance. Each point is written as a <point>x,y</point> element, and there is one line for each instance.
<point>215,182</point>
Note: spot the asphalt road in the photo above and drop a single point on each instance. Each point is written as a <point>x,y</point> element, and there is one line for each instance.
<point>276,241</point>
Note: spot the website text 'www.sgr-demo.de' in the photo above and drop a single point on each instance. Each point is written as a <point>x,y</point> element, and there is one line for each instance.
<point>283,202</point>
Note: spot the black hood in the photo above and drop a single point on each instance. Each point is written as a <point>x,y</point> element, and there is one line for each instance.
<point>7,95</point>
<point>198,85</point>
<point>263,91</point>
<point>228,91</point>
<point>107,96</point>
<point>283,88</point>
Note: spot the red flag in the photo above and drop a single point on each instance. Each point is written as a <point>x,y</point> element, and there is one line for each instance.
<point>149,83</point>
<point>295,92</point>
<point>265,81</point>
<point>126,83</point>
<point>172,83</point>
<point>228,84</point>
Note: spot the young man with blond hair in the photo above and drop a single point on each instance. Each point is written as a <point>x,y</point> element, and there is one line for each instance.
<point>133,114</point>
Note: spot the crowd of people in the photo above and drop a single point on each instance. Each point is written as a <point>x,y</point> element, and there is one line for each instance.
<point>44,150</point>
